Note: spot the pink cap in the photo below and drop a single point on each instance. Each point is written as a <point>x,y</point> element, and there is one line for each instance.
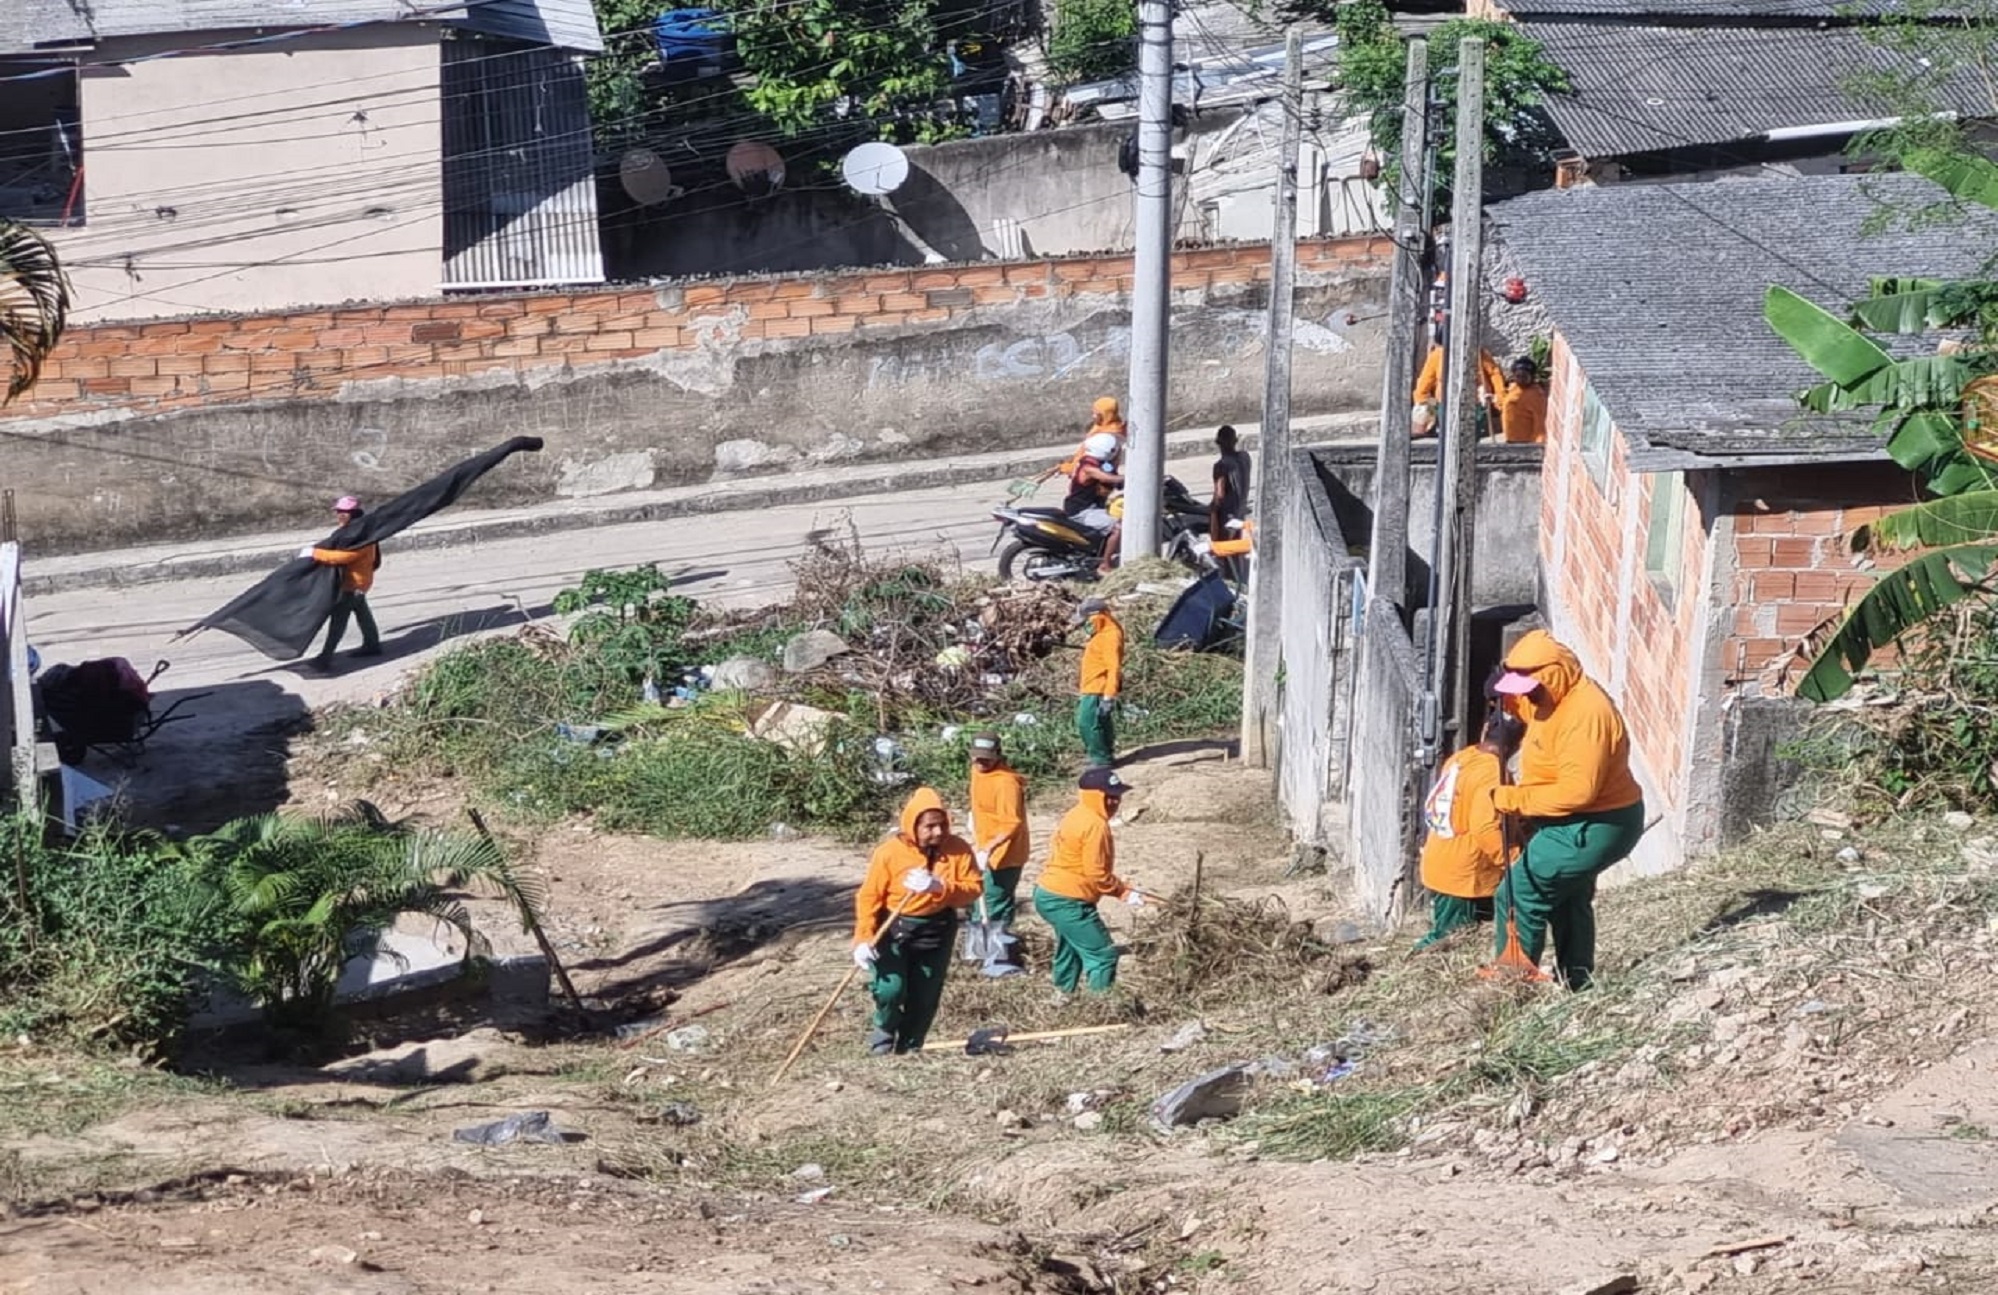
<point>346,504</point>
<point>1514,684</point>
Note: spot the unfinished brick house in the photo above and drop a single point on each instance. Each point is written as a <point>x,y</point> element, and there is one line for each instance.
<point>1693,517</point>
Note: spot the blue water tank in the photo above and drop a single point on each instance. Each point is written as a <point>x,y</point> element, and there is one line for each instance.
<point>692,36</point>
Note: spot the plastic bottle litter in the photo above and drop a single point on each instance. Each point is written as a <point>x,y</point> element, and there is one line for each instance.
<point>527,1126</point>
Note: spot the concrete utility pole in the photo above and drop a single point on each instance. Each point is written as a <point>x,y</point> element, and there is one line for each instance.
<point>1387,551</point>
<point>1449,620</point>
<point>1274,483</point>
<point>1151,290</point>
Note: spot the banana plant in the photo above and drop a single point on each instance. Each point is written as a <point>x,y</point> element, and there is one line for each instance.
<point>34,304</point>
<point>1918,407</point>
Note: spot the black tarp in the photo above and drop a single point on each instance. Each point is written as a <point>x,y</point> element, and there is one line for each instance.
<point>1197,620</point>
<point>281,614</point>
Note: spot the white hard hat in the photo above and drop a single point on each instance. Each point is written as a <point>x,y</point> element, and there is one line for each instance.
<point>1100,446</point>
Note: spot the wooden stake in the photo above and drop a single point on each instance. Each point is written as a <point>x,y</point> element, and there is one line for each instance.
<point>1743,1247</point>
<point>798,1048</point>
<point>1038,1036</point>
<point>532,921</point>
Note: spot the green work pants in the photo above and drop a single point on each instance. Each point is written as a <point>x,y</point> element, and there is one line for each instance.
<point>355,605</point>
<point>909,967</point>
<point>1449,914</point>
<point>1083,952</point>
<point>1098,730</point>
<point>1002,886</point>
<point>1553,884</point>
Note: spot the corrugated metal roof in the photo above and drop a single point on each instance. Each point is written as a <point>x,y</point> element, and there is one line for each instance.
<point>1658,290</point>
<point>25,24</point>
<point>1768,11</point>
<point>1643,89</point>
<point>565,24</point>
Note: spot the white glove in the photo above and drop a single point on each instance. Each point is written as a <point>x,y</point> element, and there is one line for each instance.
<point>921,881</point>
<point>983,858</point>
<point>1135,899</point>
<point>305,552</point>
<point>863,956</point>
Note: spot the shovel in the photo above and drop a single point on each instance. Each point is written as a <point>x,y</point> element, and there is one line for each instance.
<point>980,941</point>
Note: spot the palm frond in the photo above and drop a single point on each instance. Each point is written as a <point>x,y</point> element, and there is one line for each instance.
<point>1827,343</point>
<point>1902,306</point>
<point>1966,175</point>
<point>1899,602</point>
<point>1922,437</point>
<point>34,303</point>
<point>1964,519</point>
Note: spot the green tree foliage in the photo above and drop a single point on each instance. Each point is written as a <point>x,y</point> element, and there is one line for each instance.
<point>1917,405</point>
<point>816,61</point>
<point>615,78</point>
<point>1093,40</point>
<point>1518,78</point>
<point>1943,75</point>
<point>34,303</point>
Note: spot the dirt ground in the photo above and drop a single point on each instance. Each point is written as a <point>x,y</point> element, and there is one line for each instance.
<point>1754,1147</point>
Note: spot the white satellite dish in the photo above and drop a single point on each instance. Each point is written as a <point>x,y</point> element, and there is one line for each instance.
<point>875,168</point>
<point>646,178</point>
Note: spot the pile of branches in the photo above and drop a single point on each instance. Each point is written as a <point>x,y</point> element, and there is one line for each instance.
<point>1202,945</point>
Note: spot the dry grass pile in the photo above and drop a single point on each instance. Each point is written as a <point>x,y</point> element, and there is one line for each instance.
<point>1782,985</point>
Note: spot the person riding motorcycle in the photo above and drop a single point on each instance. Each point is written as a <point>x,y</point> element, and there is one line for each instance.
<point>1106,419</point>
<point>1090,487</point>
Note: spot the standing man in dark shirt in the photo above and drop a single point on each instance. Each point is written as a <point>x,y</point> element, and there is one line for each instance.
<point>1230,503</point>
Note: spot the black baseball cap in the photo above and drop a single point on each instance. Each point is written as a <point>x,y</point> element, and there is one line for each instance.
<point>1105,781</point>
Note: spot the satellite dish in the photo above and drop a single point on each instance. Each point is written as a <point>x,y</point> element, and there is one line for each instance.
<point>646,178</point>
<point>755,167</point>
<point>875,168</point>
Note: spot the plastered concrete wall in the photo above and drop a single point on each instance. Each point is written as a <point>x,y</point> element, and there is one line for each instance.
<point>1505,560</point>
<point>217,425</point>
<point>1317,632</point>
<point>1061,188</point>
<point>307,171</point>
<point>1383,791</point>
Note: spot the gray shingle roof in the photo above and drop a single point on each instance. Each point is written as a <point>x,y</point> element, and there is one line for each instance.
<point>1642,89</point>
<point>1658,291</point>
<point>27,24</point>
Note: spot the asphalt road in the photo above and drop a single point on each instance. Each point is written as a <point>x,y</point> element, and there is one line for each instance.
<point>232,744</point>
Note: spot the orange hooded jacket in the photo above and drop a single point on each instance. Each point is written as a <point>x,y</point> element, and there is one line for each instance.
<point>881,893</point>
<point>1103,658</point>
<point>999,807</point>
<point>1465,854</point>
<point>1576,755</point>
<point>1106,416</point>
<point>1083,861</point>
<point>1429,384</point>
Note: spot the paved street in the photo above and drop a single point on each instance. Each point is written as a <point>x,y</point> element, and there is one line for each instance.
<point>430,597</point>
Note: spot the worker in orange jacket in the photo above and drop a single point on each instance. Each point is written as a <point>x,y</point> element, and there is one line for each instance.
<point>1082,871</point>
<point>1428,394</point>
<point>1577,794</point>
<point>357,576</point>
<point>1521,403</point>
<point>999,842</point>
<point>1101,681</point>
<point>1467,849</point>
<point>905,921</point>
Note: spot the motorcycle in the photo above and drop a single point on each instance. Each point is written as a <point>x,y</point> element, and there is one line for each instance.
<point>1046,543</point>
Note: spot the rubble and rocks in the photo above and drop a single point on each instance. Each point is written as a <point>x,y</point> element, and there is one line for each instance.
<point>1216,1095</point>
<point>743,674</point>
<point>812,650</point>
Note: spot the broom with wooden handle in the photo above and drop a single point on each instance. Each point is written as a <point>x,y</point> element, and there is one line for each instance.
<point>798,1049</point>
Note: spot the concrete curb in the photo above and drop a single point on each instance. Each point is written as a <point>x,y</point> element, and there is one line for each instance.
<point>121,568</point>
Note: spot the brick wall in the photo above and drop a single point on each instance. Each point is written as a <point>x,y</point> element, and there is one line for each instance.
<point>1794,569</point>
<point>318,354</point>
<point>207,426</point>
<point>1635,632</point>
